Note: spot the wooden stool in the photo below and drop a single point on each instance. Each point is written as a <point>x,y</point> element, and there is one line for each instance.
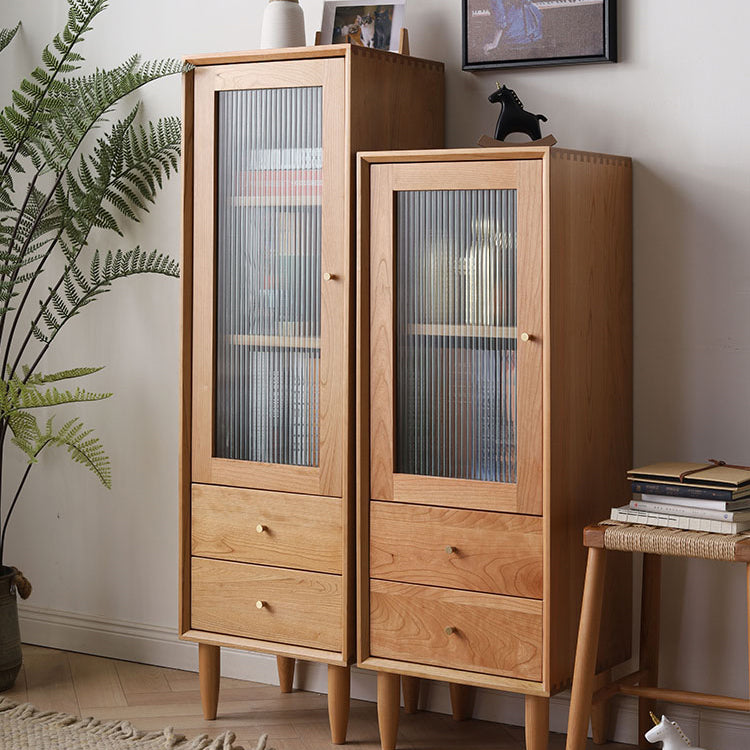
<point>654,542</point>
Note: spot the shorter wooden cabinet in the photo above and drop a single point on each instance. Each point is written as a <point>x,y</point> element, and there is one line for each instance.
<point>495,413</point>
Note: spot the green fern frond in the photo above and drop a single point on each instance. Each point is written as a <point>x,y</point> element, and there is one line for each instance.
<point>78,292</point>
<point>85,450</point>
<point>6,35</point>
<point>53,377</point>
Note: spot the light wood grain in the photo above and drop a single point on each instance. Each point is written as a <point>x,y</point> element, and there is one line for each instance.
<point>267,528</point>
<point>209,665</point>
<point>338,702</point>
<point>495,553</point>
<point>99,683</point>
<point>497,634</point>
<point>590,391</point>
<point>299,608</point>
<point>537,722</point>
<point>186,352</point>
<point>388,704</point>
<point>285,668</point>
<point>588,641</point>
<point>650,632</point>
<point>462,701</point>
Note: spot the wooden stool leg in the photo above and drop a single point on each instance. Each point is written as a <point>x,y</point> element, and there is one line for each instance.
<point>537,722</point>
<point>388,704</point>
<point>586,648</point>
<point>338,702</point>
<point>649,649</point>
<point>285,667</point>
<point>462,701</point>
<point>209,670</point>
<point>600,711</point>
<point>410,691</point>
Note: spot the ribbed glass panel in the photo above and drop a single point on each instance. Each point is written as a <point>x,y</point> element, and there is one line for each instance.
<point>455,334</point>
<point>268,275</point>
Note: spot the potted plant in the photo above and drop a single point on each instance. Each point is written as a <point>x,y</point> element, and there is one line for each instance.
<point>60,182</point>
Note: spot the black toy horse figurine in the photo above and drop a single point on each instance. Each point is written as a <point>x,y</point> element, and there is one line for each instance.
<point>513,118</point>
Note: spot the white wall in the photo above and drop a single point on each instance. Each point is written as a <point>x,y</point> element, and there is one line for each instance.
<point>677,103</point>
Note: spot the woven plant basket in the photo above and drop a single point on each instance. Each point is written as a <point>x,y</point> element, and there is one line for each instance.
<point>10,635</point>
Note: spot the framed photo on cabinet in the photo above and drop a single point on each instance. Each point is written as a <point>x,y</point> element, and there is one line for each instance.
<point>374,25</point>
<point>525,33</point>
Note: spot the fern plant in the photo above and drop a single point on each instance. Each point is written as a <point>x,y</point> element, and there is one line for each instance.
<point>67,170</point>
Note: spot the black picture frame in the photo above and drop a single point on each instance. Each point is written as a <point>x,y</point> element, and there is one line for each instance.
<point>552,32</point>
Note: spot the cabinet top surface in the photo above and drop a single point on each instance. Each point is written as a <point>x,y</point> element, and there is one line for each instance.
<point>304,53</point>
<point>512,151</point>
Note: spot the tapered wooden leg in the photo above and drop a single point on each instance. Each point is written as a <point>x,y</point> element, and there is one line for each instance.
<point>537,722</point>
<point>600,711</point>
<point>649,651</point>
<point>462,701</point>
<point>209,669</point>
<point>338,702</point>
<point>410,691</point>
<point>285,666</point>
<point>586,648</point>
<point>388,704</point>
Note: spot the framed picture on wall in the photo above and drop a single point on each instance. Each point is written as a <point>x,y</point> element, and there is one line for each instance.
<point>522,33</point>
<point>375,25</point>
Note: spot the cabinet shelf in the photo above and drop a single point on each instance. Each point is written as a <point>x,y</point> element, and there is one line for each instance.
<point>276,200</point>
<point>277,341</point>
<point>463,331</point>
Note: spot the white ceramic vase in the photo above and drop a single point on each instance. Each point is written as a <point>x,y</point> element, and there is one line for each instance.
<point>283,25</point>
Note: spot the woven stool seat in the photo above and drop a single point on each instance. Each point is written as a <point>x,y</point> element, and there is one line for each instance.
<point>658,540</point>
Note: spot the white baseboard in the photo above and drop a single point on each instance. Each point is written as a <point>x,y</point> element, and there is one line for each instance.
<point>152,644</point>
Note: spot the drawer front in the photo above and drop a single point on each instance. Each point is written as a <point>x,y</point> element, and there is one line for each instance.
<point>457,629</point>
<point>268,528</point>
<point>498,553</point>
<point>298,607</point>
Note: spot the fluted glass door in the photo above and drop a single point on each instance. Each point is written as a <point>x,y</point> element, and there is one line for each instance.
<point>269,276</point>
<point>269,176</point>
<point>456,334</point>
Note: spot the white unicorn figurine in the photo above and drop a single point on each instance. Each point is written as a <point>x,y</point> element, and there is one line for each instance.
<point>669,733</point>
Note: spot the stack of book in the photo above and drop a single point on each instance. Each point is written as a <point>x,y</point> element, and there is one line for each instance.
<point>711,497</point>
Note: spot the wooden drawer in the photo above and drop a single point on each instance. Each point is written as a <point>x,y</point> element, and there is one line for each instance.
<point>296,531</point>
<point>299,607</point>
<point>493,634</point>
<point>498,553</point>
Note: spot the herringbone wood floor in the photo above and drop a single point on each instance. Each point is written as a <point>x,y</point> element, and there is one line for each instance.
<point>155,697</point>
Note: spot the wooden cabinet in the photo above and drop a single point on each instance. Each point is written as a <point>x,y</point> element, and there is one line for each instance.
<point>267,460</point>
<point>494,411</point>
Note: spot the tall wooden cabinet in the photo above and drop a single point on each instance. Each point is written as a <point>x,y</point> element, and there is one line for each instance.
<point>495,413</point>
<point>267,460</point>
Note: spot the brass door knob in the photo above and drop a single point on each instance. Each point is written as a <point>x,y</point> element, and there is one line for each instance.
<point>526,336</point>
<point>450,630</point>
<point>260,528</point>
<point>260,604</point>
<point>450,550</point>
<point>329,276</point>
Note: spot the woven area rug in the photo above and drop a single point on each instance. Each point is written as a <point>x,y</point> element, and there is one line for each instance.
<point>23,727</point>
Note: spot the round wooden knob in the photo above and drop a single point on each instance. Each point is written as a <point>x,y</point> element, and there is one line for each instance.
<point>526,336</point>
<point>450,550</point>
<point>260,528</point>
<point>260,604</point>
<point>328,276</point>
<point>450,630</point>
